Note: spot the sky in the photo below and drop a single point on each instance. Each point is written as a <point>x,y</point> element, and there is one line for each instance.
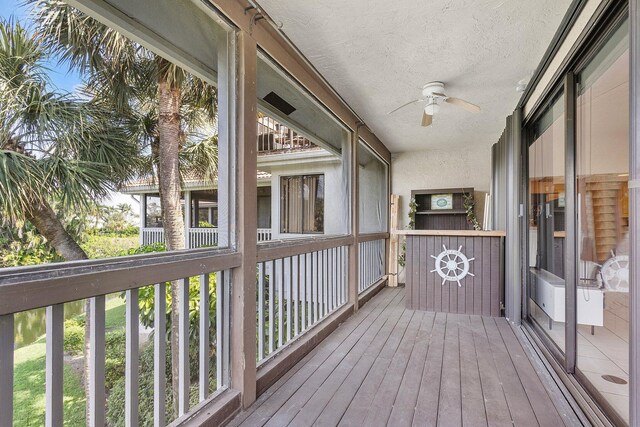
<point>62,78</point>
<point>60,75</point>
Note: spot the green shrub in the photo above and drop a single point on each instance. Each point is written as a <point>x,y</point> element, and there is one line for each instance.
<point>74,336</point>
<point>115,346</point>
<point>116,400</point>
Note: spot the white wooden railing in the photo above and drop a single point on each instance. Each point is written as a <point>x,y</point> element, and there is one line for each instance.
<point>264,234</point>
<point>371,263</point>
<point>295,292</point>
<point>198,237</point>
<point>51,286</point>
<point>152,235</point>
<point>202,237</point>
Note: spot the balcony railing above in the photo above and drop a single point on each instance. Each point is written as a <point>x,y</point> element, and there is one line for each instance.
<point>276,138</point>
<point>198,237</point>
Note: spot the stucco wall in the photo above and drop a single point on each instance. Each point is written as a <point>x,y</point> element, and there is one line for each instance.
<point>432,169</point>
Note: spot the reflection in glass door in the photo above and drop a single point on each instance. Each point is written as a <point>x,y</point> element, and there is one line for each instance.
<point>547,223</point>
<point>602,167</point>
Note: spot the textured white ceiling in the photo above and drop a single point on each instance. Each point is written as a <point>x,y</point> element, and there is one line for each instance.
<point>378,53</point>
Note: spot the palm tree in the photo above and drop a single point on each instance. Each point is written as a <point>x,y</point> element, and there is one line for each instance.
<point>54,146</point>
<point>56,149</point>
<point>168,110</point>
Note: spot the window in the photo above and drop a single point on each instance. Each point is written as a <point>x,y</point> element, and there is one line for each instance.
<point>302,204</point>
<point>154,212</point>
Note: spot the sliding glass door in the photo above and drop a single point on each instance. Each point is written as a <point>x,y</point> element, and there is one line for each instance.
<point>602,167</point>
<point>579,303</point>
<point>547,222</point>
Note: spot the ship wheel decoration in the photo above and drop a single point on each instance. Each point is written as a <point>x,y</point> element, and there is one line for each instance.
<point>615,273</point>
<point>452,265</point>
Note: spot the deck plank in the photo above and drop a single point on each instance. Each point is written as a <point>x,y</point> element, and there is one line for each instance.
<point>382,404</point>
<point>361,402</point>
<point>495,402</point>
<point>340,339</point>
<point>407,397</point>
<point>390,365</point>
<point>473,410</point>
<point>426,412</point>
<point>331,400</point>
<point>538,396</point>
<point>289,409</point>
<point>519,405</point>
<point>450,402</point>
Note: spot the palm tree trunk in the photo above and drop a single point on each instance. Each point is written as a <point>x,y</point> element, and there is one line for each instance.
<point>46,221</point>
<point>169,119</point>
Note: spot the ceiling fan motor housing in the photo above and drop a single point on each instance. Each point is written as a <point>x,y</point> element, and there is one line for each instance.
<point>430,88</point>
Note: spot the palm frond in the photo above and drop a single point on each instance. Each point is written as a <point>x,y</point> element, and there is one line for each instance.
<point>21,184</point>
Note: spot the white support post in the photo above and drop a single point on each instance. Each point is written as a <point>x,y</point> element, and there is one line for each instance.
<point>204,337</point>
<point>54,370</point>
<point>159,354</point>
<point>131,359</point>
<point>143,216</point>
<point>187,219</point>
<point>6,369</point>
<point>97,395</point>
<point>183,347</point>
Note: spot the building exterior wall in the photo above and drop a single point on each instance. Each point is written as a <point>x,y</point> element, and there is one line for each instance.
<point>440,169</point>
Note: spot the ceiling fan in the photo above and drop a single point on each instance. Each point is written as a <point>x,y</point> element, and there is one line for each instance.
<point>432,96</point>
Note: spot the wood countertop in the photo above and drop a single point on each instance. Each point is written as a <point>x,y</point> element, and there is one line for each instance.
<point>460,233</point>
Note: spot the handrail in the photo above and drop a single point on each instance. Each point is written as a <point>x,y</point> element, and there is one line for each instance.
<point>285,248</point>
<point>367,237</point>
<point>26,288</point>
<point>459,233</point>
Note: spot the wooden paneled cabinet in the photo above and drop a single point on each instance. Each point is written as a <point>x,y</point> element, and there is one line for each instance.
<point>447,216</point>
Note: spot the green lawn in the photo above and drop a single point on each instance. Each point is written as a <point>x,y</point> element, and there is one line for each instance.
<point>29,378</point>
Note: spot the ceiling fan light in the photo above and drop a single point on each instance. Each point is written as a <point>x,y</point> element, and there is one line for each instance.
<point>432,109</point>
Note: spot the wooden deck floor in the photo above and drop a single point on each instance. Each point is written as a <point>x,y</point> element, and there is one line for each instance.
<point>387,365</point>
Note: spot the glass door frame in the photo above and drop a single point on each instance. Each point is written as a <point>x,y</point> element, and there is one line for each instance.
<point>562,357</point>
<point>567,83</point>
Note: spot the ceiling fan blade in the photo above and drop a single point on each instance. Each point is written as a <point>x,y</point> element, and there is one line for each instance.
<point>441,95</point>
<point>404,105</point>
<point>427,119</point>
<point>464,104</point>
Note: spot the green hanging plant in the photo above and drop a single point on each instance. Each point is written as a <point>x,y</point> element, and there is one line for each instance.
<point>469,205</point>
<point>413,208</point>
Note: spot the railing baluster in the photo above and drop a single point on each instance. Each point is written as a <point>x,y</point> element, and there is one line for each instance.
<point>314,260</point>
<point>271,314</point>
<point>308,285</point>
<point>132,360</point>
<point>340,274</point>
<point>302,274</point>
<point>296,287</point>
<point>332,302</point>
<point>204,337</point>
<point>288,292</point>
<point>183,347</point>
<point>260,311</point>
<point>7,338</point>
<point>278,280</point>
<point>159,354</point>
<point>96,362</point>
<point>54,391</point>
<point>226,291</point>
<point>325,286</point>
<point>219,327</point>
